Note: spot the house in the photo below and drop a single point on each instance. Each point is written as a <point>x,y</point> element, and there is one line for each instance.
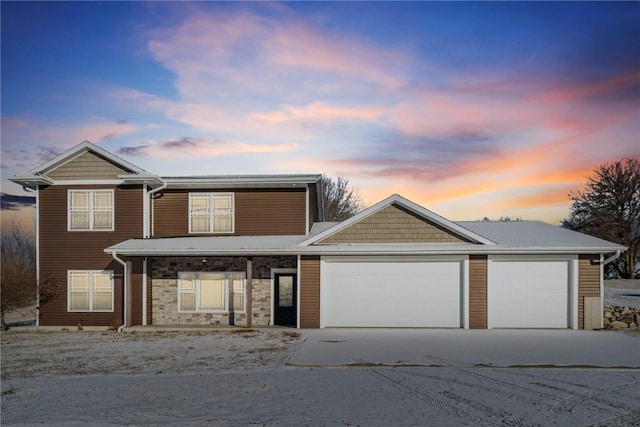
<point>126,246</point>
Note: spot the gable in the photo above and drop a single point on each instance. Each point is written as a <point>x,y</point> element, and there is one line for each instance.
<point>393,224</point>
<point>87,166</point>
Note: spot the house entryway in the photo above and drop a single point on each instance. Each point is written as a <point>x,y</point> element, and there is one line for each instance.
<point>285,299</point>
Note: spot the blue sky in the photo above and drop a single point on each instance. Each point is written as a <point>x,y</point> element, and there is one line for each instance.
<point>471,109</point>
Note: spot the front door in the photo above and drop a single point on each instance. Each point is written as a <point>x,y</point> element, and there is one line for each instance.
<point>285,304</point>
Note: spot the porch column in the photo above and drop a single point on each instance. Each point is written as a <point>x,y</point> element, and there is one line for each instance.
<point>249,299</point>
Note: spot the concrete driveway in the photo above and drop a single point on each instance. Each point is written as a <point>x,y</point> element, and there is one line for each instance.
<point>462,348</point>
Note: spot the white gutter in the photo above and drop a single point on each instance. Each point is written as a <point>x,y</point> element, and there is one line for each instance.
<point>612,257</point>
<point>319,250</point>
<point>124,290</point>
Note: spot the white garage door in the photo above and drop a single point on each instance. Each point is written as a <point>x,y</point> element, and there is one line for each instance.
<point>384,293</point>
<point>529,294</point>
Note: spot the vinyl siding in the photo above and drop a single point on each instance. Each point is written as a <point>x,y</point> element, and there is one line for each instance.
<point>310,292</point>
<point>136,294</point>
<point>477,292</point>
<point>257,213</point>
<point>588,282</point>
<point>61,250</point>
<point>393,225</point>
<point>87,166</point>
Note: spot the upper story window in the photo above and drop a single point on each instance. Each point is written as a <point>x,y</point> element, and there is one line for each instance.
<point>90,210</point>
<point>211,212</point>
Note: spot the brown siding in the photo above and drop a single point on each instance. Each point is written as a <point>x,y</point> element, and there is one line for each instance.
<point>136,294</point>
<point>393,225</point>
<point>588,282</point>
<point>257,212</point>
<point>87,166</point>
<point>310,292</point>
<point>477,291</point>
<point>61,250</point>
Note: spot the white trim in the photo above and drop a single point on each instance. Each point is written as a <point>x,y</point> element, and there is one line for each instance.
<point>91,286</point>
<point>464,295</point>
<point>82,148</point>
<point>88,182</point>
<point>275,271</point>
<point>90,208</point>
<point>246,181</point>
<point>228,291</point>
<point>145,212</point>
<point>144,291</point>
<point>601,292</point>
<point>396,258</point>
<point>212,216</point>
<point>406,204</point>
<point>298,259</point>
<point>306,210</point>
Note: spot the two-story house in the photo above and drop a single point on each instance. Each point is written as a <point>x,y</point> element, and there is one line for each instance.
<point>125,246</point>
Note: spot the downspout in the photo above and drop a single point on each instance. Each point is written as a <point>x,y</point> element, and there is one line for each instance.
<point>151,208</point>
<point>124,290</point>
<point>612,257</point>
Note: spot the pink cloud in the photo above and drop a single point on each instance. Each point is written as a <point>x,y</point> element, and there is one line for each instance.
<point>320,111</point>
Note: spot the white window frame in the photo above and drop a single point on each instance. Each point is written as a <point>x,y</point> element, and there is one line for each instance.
<point>90,209</point>
<point>212,213</point>
<point>91,274</point>
<point>228,291</point>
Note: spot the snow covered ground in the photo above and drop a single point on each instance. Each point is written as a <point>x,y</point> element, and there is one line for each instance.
<point>622,292</point>
<point>240,378</point>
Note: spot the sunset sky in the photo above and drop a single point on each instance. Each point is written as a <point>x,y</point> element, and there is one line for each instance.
<point>469,109</point>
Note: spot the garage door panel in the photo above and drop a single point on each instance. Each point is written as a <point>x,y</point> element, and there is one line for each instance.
<point>391,294</point>
<point>529,294</point>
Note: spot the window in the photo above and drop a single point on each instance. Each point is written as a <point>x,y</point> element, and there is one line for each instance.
<point>209,292</point>
<point>211,212</point>
<point>90,291</point>
<point>90,210</point>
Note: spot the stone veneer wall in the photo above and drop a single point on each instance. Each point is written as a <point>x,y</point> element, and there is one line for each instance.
<point>165,288</point>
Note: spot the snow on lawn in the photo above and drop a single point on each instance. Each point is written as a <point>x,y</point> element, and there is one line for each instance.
<point>32,353</point>
<point>229,378</point>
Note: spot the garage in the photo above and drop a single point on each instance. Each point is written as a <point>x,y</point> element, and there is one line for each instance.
<point>529,293</point>
<point>387,292</point>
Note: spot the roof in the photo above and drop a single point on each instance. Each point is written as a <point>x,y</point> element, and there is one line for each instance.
<point>37,176</point>
<point>522,237</point>
<point>534,234</point>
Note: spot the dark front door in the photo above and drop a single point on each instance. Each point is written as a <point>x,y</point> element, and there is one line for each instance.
<point>285,305</point>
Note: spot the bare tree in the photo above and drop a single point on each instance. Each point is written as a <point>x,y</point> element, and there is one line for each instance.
<point>340,200</point>
<point>503,219</point>
<point>18,276</point>
<point>609,208</point>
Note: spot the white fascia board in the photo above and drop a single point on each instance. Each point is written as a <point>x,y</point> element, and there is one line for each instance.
<point>444,249</point>
<point>31,181</point>
<point>409,205</point>
<point>242,181</point>
<point>141,179</point>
